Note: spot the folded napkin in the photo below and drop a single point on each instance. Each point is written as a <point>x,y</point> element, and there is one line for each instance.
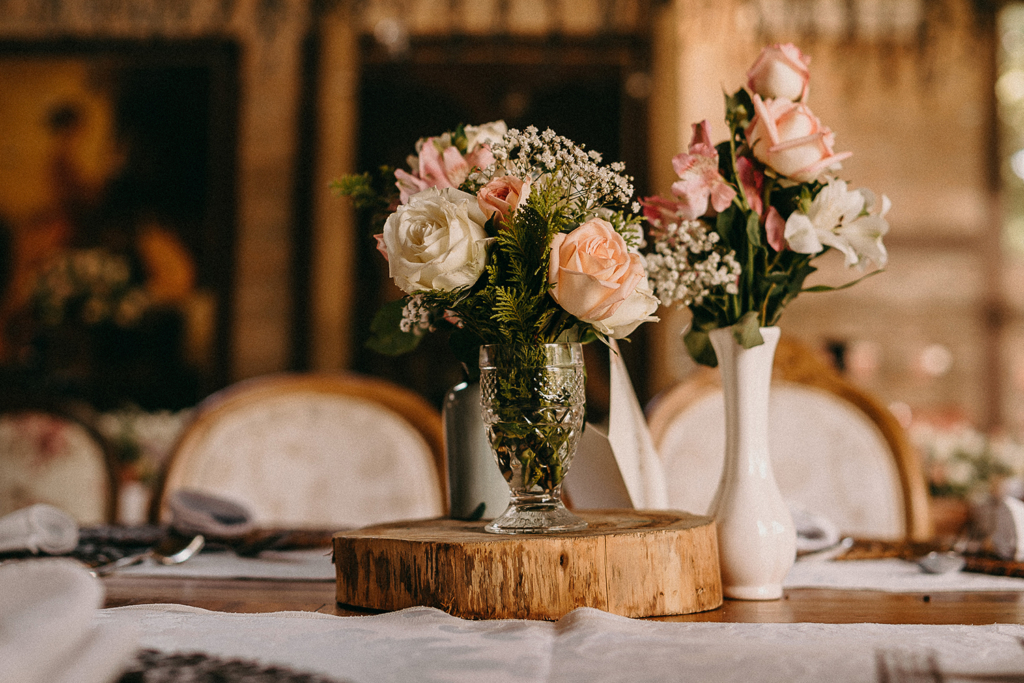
<point>1008,529</point>
<point>47,629</point>
<point>197,512</point>
<point>616,464</point>
<point>38,528</point>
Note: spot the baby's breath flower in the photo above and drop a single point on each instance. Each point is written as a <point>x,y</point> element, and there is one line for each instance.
<point>687,264</point>
<point>417,316</point>
<point>586,184</point>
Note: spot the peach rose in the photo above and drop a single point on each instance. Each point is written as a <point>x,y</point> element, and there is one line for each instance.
<point>789,138</point>
<point>780,72</point>
<point>503,196</point>
<point>593,274</point>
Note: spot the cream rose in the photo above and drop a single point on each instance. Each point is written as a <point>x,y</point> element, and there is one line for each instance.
<point>503,196</point>
<point>780,72</point>
<point>593,274</point>
<point>436,241</point>
<point>788,137</point>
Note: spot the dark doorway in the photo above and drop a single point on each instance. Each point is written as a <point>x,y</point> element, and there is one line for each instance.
<point>131,164</point>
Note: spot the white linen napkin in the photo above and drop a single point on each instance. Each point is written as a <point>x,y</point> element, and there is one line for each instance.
<point>813,531</point>
<point>1008,528</point>
<point>198,512</point>
<point>47,629</point>
<point>38,528</point>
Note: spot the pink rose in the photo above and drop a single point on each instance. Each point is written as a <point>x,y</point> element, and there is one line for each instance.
<point>699,182</point>
<point>780,72</point>
<point>788,137</point>
<point>503,196</point>
<point>593,271</point>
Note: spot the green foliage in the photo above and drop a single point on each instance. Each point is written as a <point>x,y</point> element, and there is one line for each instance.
<point>386,336</point>
<point>370,193</point>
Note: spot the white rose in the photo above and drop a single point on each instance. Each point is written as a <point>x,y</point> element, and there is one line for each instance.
<point>436,241</point>
<point>487,134</point>
<point>636,309</point>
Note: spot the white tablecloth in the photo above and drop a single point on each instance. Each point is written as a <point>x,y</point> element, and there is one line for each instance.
<point>290,565</point>
<point>890,575</point>
<point>423,644</point>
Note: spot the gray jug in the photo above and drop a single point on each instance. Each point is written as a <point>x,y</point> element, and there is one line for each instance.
<point>476,489</point>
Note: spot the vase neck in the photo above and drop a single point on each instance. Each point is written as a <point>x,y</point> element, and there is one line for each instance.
<point>746,382</point>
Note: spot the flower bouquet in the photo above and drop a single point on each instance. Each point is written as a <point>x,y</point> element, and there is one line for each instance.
<point>736,240</point>
<point>735,243</point>
<point>514,242</point>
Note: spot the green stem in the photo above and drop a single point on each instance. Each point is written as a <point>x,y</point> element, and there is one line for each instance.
<point>764,308</point>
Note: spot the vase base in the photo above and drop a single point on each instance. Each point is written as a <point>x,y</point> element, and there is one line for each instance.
<point>536,518</point>
<point>769,592</point>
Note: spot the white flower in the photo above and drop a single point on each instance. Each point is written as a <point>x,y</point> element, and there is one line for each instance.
<point>417,317</point>
<point>437,241</point>
<point>487,134</point>
<point>687,264</point>
<point>837,219</point>
<point>551,160</point>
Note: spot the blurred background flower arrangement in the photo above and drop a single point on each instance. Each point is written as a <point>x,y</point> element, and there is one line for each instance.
<point>90,287</point>
<point>962,462</point>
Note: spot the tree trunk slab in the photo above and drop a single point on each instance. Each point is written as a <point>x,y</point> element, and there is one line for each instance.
<point>634,563</point>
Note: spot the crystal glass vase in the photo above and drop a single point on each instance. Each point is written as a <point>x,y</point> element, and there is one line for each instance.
<point>532,401</point>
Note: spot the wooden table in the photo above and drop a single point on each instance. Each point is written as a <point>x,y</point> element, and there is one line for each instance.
<point>798,605</point>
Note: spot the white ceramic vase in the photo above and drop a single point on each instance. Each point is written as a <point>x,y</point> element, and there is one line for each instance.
<point>756,536</point>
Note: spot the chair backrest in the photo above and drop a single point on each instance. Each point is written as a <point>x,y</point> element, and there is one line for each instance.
<point>835,450</point>
<point>313,450</point>
<point>52,453</point>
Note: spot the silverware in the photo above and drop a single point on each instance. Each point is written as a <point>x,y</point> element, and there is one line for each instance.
<point>941,562</point>
<point>173,549</point>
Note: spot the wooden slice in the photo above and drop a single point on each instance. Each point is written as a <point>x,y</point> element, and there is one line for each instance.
<point>634,563</point>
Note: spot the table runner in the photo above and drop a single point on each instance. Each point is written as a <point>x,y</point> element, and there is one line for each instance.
<point>424,644</point>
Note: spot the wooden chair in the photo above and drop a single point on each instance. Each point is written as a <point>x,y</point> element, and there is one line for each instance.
<point>314,451</point>
<point>51,452</point>
<point>835,450</point>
